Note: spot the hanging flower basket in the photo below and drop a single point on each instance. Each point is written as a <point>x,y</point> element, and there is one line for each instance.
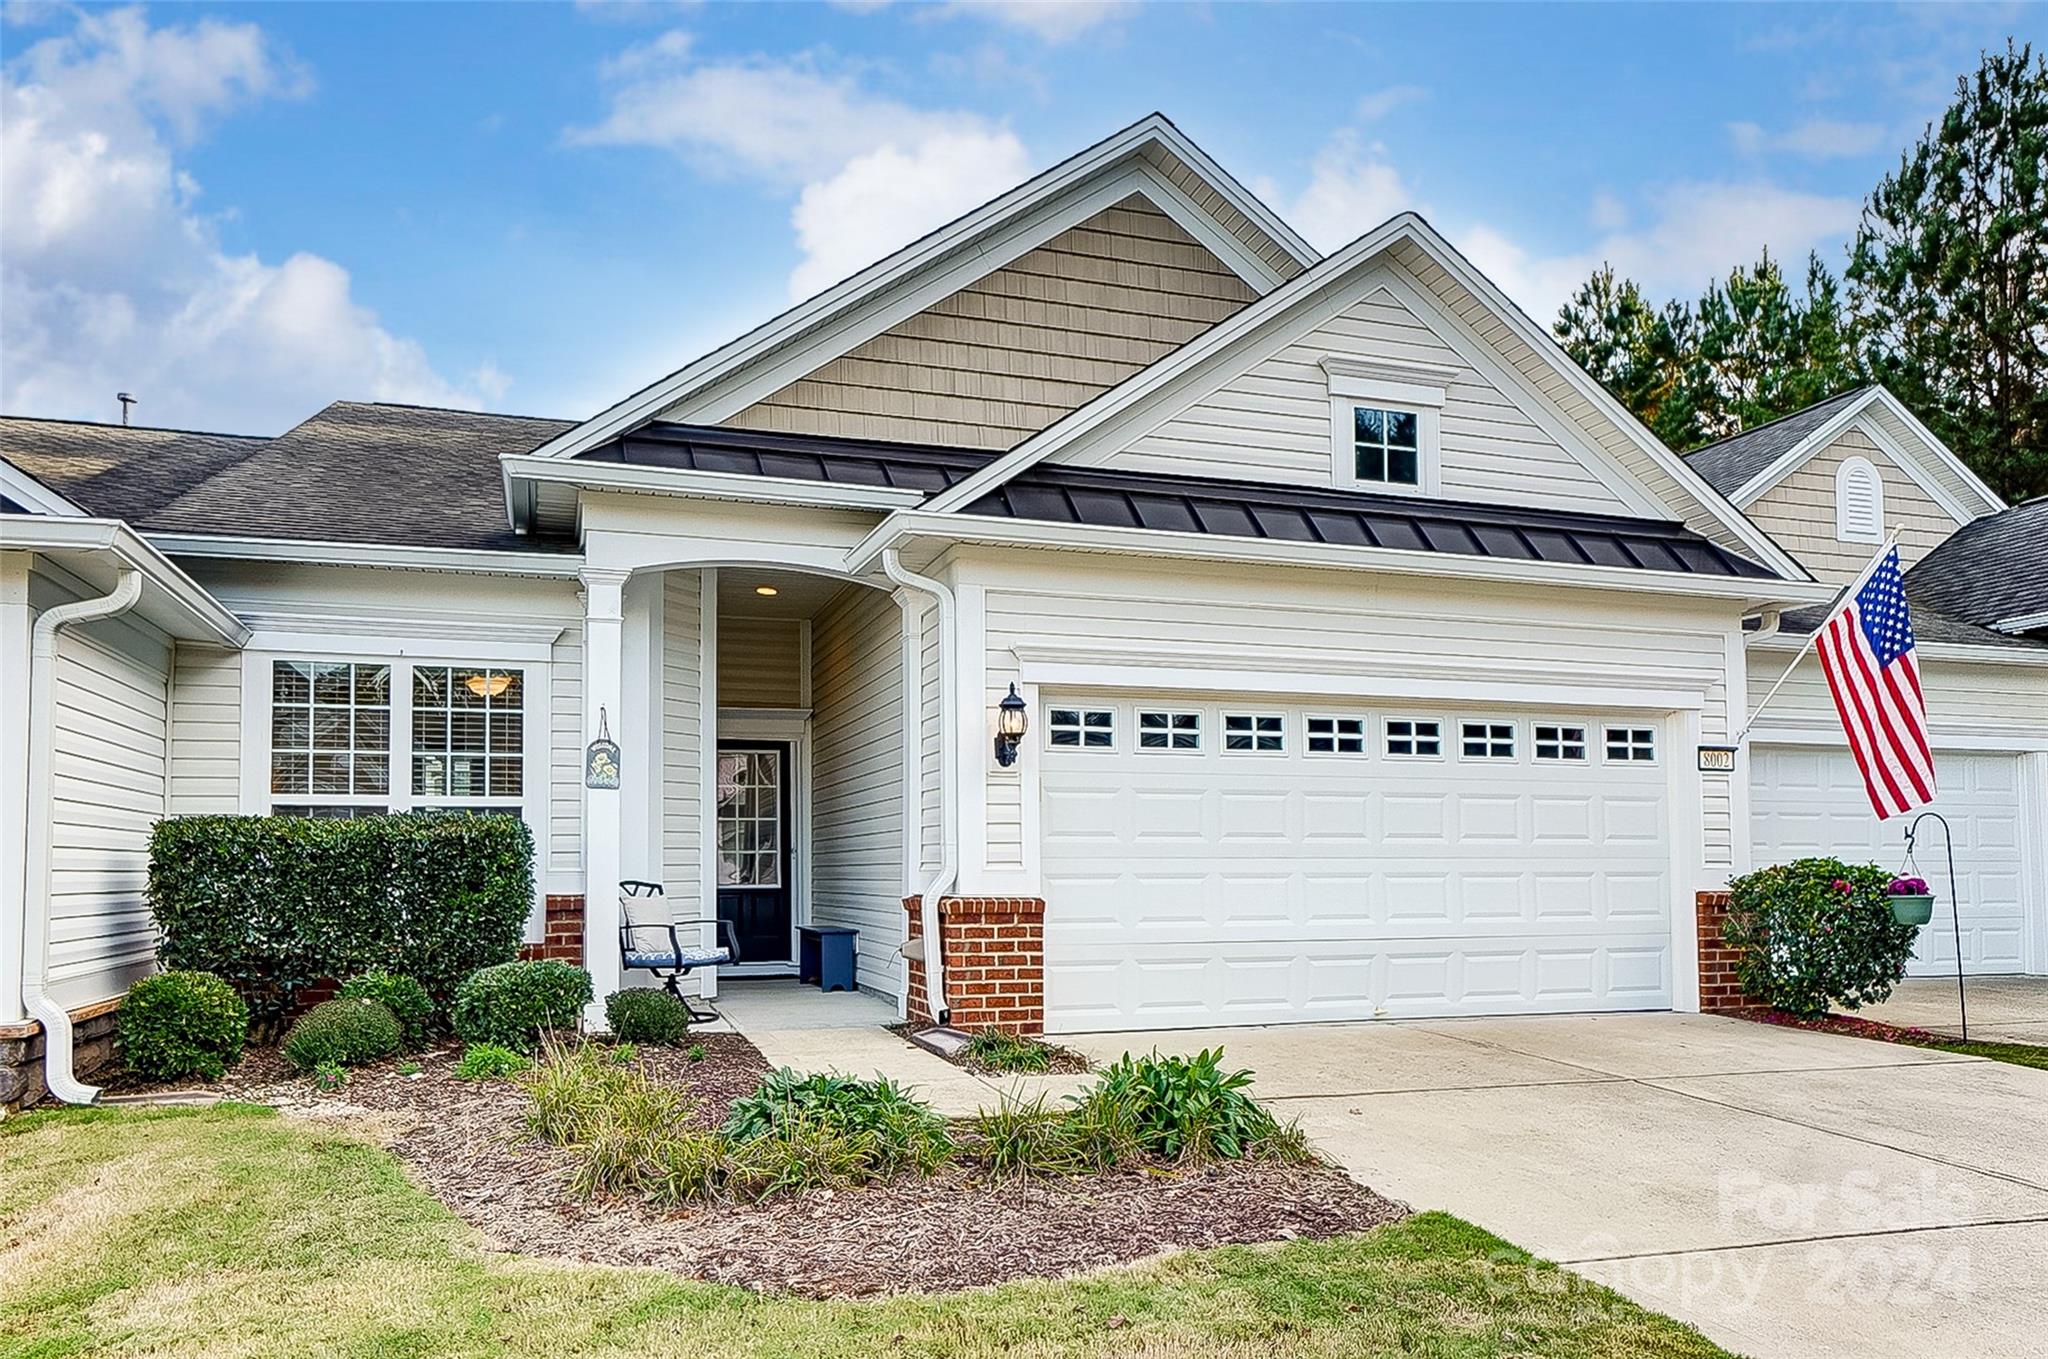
<point>1912,903</point>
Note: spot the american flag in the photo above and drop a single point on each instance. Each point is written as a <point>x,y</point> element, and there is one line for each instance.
<point>1866,649</point>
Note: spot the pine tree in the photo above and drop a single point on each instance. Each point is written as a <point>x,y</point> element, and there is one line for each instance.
<point>1635,351</point>
<point>1948,276</point>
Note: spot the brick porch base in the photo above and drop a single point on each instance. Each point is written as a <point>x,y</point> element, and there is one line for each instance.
<point>1719,987</point>
<point>562,938</point>
<point>994,958</point>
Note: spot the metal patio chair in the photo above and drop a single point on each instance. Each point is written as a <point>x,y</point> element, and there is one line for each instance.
<point>656,945</point>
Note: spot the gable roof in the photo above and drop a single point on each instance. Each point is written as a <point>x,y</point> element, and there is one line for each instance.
<point>1150,156</point>
<point>1414,244</point>
<point>1992,572</point>
<point>1745,466</point>
<point>355,472</point>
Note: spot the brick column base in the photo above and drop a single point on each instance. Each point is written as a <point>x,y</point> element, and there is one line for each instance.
<point>1720,989</point>
<point>562,938</point>
<point>994,958</point>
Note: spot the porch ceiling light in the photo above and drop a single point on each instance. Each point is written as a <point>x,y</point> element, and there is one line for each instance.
<point>767,590</point>
<point>490,685</point>
<point>1012,718</point>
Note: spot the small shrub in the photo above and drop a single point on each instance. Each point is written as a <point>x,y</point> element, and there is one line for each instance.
<point>404,997</point>
<point>178,1024</point>
<point>1816,933</point>
<point>514,1005</point>
<point>408,1069</point>
<point>489,1062</point>
<point>696,1052</point>
<point>643,1014</point>
<point>897,1131</point>
<point>342,1033</point>
<point>1179,1108</point>
<point>1004,1053</point>
<point>329,1076</point>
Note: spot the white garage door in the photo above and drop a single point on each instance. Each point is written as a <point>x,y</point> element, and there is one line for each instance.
<point>1807,801</point>
<point>1208,863</point>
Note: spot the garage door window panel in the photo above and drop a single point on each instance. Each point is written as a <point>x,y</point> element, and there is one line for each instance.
<point>1170,731</point>
<point>1336,735</point>
<point>1559,744</point>
<point>1254,734</point>
<point>1081,728</point>
<point>1486,740</point>
<point>1632,745</point>
<point>1414,738</point>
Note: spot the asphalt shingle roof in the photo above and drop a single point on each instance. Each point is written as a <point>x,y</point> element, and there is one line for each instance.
<point>357,472</point>
<point>1730,464</point>
<point>1990,569</point>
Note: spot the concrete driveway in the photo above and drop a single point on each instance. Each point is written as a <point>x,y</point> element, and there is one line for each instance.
<point>1789,1193</point>
<point>2001,1009</point>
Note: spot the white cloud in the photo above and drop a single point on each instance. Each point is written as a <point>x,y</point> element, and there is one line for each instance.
<point>114,280</point>
<point>870,173</point>
<point>1378,104</point>
<point>1055,21</point>
<point>1353,187</point>
<point>1814,139</point>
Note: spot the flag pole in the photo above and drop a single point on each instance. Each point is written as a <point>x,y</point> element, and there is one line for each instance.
<point>1851,588</point>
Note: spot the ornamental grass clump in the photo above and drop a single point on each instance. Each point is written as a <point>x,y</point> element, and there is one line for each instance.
<point>1817,933</point>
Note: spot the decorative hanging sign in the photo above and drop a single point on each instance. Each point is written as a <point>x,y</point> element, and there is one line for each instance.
<point>601,761</point>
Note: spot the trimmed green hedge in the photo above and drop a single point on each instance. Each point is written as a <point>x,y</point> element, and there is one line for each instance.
<point>276,903</point>
<point>1815,933</point>
<point>343,1031</point>
<point>516,1005</point>
<point>178,1024</point>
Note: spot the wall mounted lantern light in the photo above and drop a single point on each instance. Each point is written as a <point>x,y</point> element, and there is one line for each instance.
<point>1011,719</point>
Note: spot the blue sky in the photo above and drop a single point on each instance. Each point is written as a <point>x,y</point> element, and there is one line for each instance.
<point>240,212</point>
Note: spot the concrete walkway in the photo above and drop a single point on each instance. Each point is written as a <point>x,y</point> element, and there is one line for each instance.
<point>2002,1009</point>
<point>1791,1194</point>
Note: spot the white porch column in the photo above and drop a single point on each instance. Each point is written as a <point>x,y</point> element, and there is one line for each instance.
<point>603,812</point>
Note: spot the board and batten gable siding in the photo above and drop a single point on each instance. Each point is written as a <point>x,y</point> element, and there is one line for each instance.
<point>1004,357</point>
<point>206,731</point>
<point>108,788</point>
<point>1272,421</point>
<point>1288,620</point>
<point>760,662</point>
<point>856,836</point>
<point>1799,511</point>
<point>682,738</point>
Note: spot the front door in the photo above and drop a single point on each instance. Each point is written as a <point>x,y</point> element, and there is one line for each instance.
<point>753,847</point>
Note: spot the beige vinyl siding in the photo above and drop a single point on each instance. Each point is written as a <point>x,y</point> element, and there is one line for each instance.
<point>1799,511</point>
<point>760,662</point>
<point>856,840</point>
<point>1272,422</point>
<point>1007,355</point>
<point>565,756</point>
<point>682,738</point>
<point>109,778</point>
<point>1328,623</point>
<point>1964,698</point>
<point>206,731</point>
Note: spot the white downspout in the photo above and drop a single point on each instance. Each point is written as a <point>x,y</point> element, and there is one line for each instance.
<point>35,922</point>
<point>949,782</point>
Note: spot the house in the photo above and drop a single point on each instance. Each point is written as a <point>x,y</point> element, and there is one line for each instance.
<point>1361,643</point>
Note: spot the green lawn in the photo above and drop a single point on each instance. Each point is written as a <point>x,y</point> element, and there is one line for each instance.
<point>2019,1054</point>
<point>232,1231</point>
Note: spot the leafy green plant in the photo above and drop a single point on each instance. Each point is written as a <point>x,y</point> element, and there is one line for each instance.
<point>998,1051</point>
<point>342,1032</point>
<point>900,1132</point>
<point>408,1069</point>
<point>696,1052</point>
<point>407,1000</point>
<point>622,1054</point>
<point>1816,933</point>
<point>576,1092</point>
<point>489,1062</point>
<point>274,904</point>
<point>645,1014</point>
<point>330,1076</point>
<point>1179,1108</point>
<point>178,1024</point>
<point>515,1005</point>
<point>1031,1137</point>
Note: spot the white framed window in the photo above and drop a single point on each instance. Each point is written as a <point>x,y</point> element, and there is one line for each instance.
<point>1559,744</point>
<point>1335,735</point>
<point>1081,728</point>
<point>1486,740</point>
<point>1859,502</point>
<point>1254,733</point>
<point>356,737</point>
<point>1632,745</point>
<point>1386,425</point>
<point>1414,738</point>
<point>1169,731</point>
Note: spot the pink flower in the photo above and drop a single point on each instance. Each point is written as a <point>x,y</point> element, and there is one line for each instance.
<point>1842,886</point>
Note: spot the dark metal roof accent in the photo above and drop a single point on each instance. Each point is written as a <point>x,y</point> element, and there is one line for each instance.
<point>1733,462</point>
<point>1990,569</point>
<point>1102,498</point>
<point>926,468</point>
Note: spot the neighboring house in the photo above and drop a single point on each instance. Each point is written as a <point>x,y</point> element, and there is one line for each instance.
<point>1364,643</point>
<point>1832,483</point>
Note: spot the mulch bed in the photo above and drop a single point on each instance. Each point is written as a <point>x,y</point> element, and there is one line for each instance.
<point>465,1142</point>
<point>1849,1025</point>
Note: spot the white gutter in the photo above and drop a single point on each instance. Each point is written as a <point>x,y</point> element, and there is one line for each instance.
<point>35,924</point>
<point>949,771</point>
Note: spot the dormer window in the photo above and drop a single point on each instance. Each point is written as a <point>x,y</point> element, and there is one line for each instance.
<point>1385,420</point>
<point>1859,502</point>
